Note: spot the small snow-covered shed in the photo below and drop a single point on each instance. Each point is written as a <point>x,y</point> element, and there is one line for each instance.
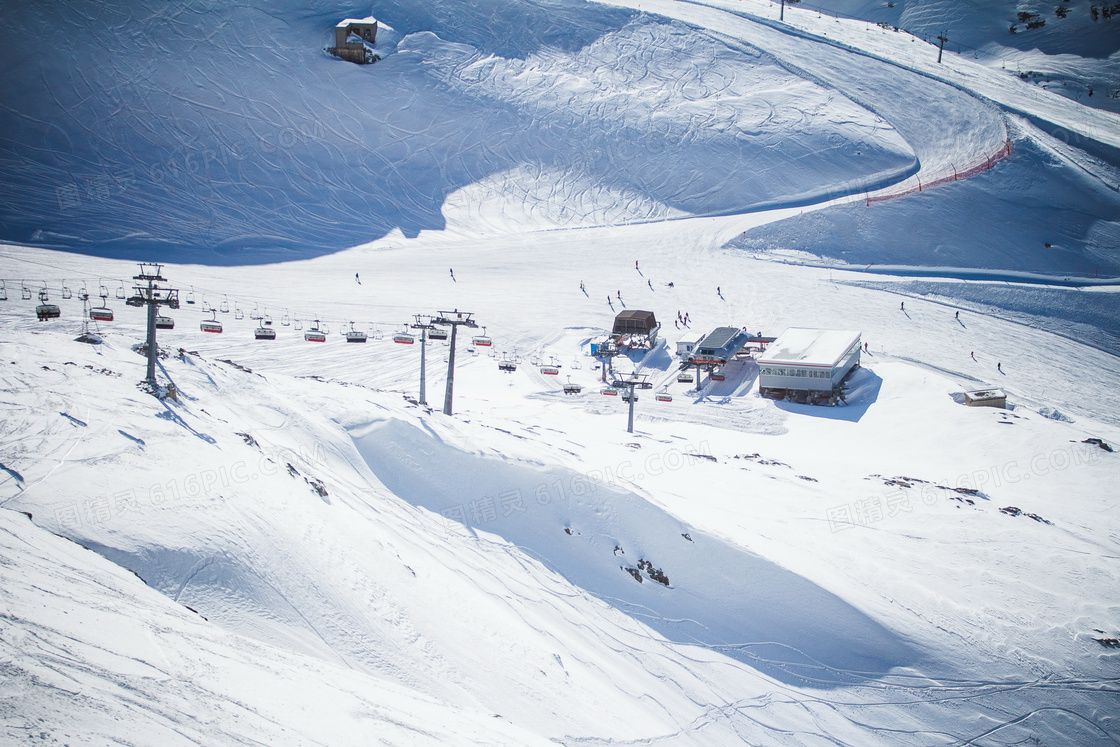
<point>807,362</point>
<point>986,398</point>
<point>365,29</point>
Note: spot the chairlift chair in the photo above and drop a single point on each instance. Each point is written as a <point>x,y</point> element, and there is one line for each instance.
<point>83,294</point>
<point>717,376</point>
<point>102,313</point>
<point>265,330</point>
<point>298,325</point>
<point>535,359</point>
<point>404,338</point>
<point>284,321</point>
<point>206,306</point>
<point>121,292</point>
<point>3,291</point>
<point>663,397</point>
<point>684,378</point>
<point>190,296</point>
<point>237,312</point>
<point>550,370</point>
<point>437,334</point>
<point>609,391</point>
<point>315,334</point>
<point>224,307</point>
<point>576,365</point>
<point>570,388</point>
<point>25,292</point>
<point>46,310</point>
<point>66,292</point>
<point>377,334</point>
<point>507,366</point>
<point>482,340</point>
<point>255,313</point>
<point>355,335</point>
<point>212,324</point>
<point>165,322</point>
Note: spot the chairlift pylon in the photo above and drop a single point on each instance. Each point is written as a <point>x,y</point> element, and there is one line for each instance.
<point>212,324</point>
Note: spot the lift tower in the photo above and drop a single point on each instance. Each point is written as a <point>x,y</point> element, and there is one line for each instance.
<point>423,323</point>
<point>454,319</point>
<point>153,296</point>
<point>632,382</point>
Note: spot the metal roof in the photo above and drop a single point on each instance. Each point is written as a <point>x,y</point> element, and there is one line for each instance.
<point>810,347</point>
<point>718,337</point>
<point>633,321</point>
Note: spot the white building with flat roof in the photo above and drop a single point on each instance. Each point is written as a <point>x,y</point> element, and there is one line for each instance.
<point>807,363</point>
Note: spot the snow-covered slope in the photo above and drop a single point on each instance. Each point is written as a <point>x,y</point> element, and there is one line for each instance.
<point>1072,51</point>
<point>485,561</point>
<point>226,132</point>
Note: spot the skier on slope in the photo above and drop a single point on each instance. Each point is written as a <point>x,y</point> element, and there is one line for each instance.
<point>357,279</point>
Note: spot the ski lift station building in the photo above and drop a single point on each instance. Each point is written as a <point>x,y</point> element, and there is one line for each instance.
<point>719,346</point>
<point>640,326</point>
<point>807,362</point>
